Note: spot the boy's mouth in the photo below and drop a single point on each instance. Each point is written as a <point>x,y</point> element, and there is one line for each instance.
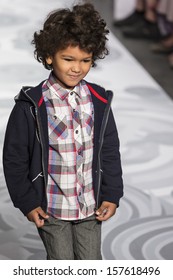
<point>74,76</point>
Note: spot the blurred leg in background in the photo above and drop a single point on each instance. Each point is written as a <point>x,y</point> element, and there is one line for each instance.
<point>165,21</point>
<point>142,23</point>
<point>148,28</point>
<point>135,17</point>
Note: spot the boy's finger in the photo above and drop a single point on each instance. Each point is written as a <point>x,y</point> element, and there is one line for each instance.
<point>103,217</point>
<point>42,214</point>
<point>101,211</point>
<point>39,223</point>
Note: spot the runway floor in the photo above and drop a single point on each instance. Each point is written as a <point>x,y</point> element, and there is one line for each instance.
<point>143,225</point>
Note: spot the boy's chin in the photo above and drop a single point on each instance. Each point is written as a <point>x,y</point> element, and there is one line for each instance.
<point>70,85</point>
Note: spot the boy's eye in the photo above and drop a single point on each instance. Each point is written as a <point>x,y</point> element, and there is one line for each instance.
<point>87,60</point>
<point>68,59</point>
<point>71,59</point>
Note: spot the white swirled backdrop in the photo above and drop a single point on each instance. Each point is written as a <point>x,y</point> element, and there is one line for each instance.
<point>143,225</point>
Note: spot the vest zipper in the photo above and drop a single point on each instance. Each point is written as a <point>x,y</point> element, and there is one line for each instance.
<point>41,142</point>
<point>101,137</point>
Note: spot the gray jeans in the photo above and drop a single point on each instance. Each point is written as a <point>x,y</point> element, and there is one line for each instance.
<point>69,240</point>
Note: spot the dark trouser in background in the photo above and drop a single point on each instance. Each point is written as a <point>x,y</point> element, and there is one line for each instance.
<point>69,240</point>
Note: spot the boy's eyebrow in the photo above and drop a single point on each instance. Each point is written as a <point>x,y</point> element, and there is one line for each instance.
<point>70,56</point>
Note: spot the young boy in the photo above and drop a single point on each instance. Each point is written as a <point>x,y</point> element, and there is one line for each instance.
<point>61,151</point>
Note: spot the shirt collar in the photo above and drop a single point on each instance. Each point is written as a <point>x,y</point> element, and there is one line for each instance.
<point>58,90</point>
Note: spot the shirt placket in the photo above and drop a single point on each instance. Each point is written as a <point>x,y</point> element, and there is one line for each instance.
<point>77,126</point>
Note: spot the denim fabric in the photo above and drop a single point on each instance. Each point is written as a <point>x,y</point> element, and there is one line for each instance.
<point>69,240</point>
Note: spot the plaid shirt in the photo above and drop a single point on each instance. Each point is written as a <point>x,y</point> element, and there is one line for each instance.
<point>70,124</point>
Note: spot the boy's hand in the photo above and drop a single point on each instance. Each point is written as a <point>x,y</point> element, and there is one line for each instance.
<point>106,210</point>
<point>37,216</point>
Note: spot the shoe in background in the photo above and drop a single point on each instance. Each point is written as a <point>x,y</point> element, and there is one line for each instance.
<point>130,20</point>
<point>143,30</point>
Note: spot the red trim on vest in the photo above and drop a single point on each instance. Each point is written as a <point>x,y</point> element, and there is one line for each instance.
<point>90,88</point>
<point>96,94</point>
<point>40,101</point>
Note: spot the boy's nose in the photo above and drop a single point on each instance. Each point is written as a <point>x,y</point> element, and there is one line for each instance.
<point>76,68</point>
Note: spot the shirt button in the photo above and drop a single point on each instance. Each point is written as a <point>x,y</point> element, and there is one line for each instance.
<point>71,93</point>
<point>74,110</point>
<point>77,131</point>
<point>55,117</point>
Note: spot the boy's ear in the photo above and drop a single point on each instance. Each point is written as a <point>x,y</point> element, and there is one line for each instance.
<point>49,60</point>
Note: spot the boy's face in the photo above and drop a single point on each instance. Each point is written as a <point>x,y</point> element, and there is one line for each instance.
<point>70,66</point>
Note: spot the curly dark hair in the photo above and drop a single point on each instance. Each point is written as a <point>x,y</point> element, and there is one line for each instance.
<point>82,26</point>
